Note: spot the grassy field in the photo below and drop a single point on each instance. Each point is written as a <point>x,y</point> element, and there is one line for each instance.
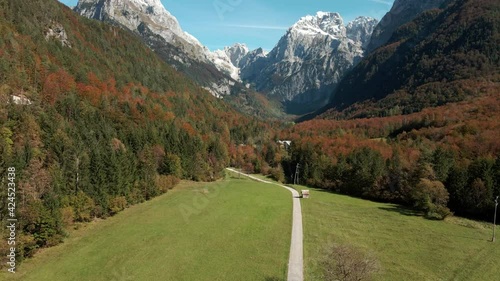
<point>407,246</point>
<point>236,229</point>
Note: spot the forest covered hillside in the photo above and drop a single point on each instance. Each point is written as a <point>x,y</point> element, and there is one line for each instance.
<point>444,55</point>
<point>93,121</point>
<point>438,160</point>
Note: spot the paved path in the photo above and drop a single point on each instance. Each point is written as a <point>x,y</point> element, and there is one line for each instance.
<point>296,260</point>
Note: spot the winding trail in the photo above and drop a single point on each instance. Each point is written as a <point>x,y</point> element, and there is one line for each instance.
<point>296,260</point>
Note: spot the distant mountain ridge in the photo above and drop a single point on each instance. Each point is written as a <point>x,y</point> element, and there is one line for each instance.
<point>309,60</point>
<point>300,72</point>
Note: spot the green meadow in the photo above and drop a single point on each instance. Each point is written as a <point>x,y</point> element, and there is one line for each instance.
<point>406,245</point>
<point>236,229</point>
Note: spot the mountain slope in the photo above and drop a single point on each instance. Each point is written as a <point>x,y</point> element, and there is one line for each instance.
<point>94,121</point>
<point>309,60</point>
<point>441,56</point>
<point>402,11</point>
<point>162,32</point>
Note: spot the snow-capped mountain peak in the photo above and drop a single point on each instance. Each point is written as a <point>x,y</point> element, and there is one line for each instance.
<point>231,58</point>
<point>324,23</point>
<point>223,62</point>
<point>303,68</point>
<point>236,52</point>
<point>361,29</point>
<point>158,14</point>
<point>310,59</point>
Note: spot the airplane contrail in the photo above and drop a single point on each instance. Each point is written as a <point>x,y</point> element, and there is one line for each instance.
<point>382,2</point>
<point>256,26</point>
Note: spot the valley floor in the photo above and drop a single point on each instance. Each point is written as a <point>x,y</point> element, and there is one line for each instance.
<point>239,229</point>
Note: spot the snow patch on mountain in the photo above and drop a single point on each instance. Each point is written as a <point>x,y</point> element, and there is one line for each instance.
<point>223,63</point>
<point>360,30</point>
<point>325,24</point>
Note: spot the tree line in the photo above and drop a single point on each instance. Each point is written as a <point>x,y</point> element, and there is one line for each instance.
<point>440,161</point>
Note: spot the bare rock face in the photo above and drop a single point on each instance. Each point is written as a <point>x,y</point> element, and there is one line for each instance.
<point>403,11</point>
<point>309,60</point>
<point>133,13</point>
<point>56,31</point>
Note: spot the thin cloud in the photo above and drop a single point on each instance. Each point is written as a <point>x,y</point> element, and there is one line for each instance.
<point>382,2</point>
<point>273,27</point>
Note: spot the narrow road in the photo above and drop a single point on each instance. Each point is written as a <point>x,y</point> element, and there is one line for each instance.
<point>296,260</point>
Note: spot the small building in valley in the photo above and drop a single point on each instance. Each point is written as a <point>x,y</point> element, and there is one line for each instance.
<point>285,143</point>
<point>305,193</point>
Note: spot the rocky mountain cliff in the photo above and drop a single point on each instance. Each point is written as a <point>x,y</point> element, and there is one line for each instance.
<point>163,33</point>
<point>402,11</point>
<point>236,53</point>
<point>309,60</point>
<point>134,13</point>
<point>229,59</point>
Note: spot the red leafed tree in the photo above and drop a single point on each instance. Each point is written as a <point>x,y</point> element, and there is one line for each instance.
<point>90,92</point>
<point>57,84</point>
<point>189,129</point>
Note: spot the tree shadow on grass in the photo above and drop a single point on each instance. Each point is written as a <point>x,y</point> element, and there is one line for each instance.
<point>402,210</point>
<point>269,278</point>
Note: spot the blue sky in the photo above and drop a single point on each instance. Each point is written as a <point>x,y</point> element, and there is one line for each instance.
<point>258,23</point>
